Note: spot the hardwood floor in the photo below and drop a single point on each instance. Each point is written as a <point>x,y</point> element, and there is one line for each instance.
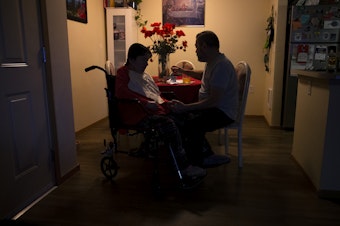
<point>270,190</point>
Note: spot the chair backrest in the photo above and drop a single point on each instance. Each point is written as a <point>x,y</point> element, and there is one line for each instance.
<point>185,64</point>
<point>114,116</point>
<point>243,72</point>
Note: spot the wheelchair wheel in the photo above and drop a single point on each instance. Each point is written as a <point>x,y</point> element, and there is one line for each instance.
<point>109,167</point>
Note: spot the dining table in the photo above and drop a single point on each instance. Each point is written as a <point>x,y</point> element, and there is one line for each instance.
<point>185,92</point>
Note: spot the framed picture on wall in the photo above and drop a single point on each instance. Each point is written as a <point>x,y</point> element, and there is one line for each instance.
<point>77,10</point>
<point>184,12</point>
<point>119,3</point>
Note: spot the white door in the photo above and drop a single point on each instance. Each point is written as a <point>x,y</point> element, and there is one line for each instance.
<point>26,164</point>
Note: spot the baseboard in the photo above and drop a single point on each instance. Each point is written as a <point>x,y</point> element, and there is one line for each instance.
<point>93,124</point>
<point>22,212</point>
<point>73,171</point>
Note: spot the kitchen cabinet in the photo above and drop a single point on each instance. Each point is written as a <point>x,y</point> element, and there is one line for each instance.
<point>316,146</point>
<point>121,29</point>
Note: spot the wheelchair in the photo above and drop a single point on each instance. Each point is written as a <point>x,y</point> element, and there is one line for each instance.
<point>149,147</point>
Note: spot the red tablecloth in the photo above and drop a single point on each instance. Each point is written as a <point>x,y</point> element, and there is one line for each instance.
<point>187,93</point>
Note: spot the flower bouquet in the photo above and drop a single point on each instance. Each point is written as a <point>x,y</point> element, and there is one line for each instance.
<point>165,41</point>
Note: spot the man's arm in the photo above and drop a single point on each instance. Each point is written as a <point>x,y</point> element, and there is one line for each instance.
<point>197,74</point>
<point>208,102</point>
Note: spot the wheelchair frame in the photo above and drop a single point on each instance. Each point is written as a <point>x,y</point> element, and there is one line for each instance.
<point>108,164</point>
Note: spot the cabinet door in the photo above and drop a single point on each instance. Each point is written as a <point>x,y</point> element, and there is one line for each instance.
<point>121,33</point>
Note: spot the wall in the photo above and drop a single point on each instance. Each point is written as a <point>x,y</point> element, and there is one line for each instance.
<point>58,67</point>
<point>240,26</point>
<point>87,46</point>
<point>274,78</point>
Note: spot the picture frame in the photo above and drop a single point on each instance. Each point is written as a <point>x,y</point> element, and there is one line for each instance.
<point>119,3</point>
<point>184,12</point>
<point>77,10</point>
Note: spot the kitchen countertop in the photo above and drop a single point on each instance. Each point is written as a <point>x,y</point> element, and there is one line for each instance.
<point>317,74</point>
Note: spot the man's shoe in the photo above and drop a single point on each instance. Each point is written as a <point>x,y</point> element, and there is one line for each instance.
<point>215,160</point>
<point>193,172</point>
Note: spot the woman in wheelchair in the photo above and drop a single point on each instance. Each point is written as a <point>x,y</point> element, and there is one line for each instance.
<point>133,83</point>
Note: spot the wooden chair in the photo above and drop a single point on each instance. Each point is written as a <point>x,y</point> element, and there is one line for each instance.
<point>243,72</point>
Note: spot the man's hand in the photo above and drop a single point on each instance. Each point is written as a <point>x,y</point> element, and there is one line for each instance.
<point>176,70</point>
<point>177,106</point>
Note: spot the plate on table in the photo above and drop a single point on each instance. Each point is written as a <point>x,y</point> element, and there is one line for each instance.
<point>178,82</point>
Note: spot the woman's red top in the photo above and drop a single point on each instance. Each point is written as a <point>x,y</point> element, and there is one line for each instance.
<point>132,114</point>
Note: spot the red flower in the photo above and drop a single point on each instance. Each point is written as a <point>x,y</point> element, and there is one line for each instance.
<point>148,34</point>
<point>164,38</point>
<point>156,24</point>
<point>180,33</point>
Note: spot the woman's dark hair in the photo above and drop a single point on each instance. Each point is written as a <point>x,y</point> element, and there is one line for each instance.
<point>209,38</point>
<point>136,50</point>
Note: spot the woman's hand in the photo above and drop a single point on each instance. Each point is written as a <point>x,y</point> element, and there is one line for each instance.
<point>152,105</point>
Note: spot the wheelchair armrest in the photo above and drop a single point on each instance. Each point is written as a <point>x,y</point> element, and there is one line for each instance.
<point>129,108</point>
<point>129,101</point>
<point>133,103</point>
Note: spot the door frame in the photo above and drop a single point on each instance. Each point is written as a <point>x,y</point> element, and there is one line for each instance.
<point>59,94</point>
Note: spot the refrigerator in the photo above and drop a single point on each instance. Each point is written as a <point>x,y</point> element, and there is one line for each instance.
<point>314,35</point>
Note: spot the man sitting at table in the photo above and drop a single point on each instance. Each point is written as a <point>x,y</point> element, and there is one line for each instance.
<point>133,83</point>
<point>218,100</point>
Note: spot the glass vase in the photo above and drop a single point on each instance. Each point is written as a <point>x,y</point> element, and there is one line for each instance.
<point>163,67</point>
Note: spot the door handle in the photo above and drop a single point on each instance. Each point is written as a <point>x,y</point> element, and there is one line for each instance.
<point>13,65</point>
